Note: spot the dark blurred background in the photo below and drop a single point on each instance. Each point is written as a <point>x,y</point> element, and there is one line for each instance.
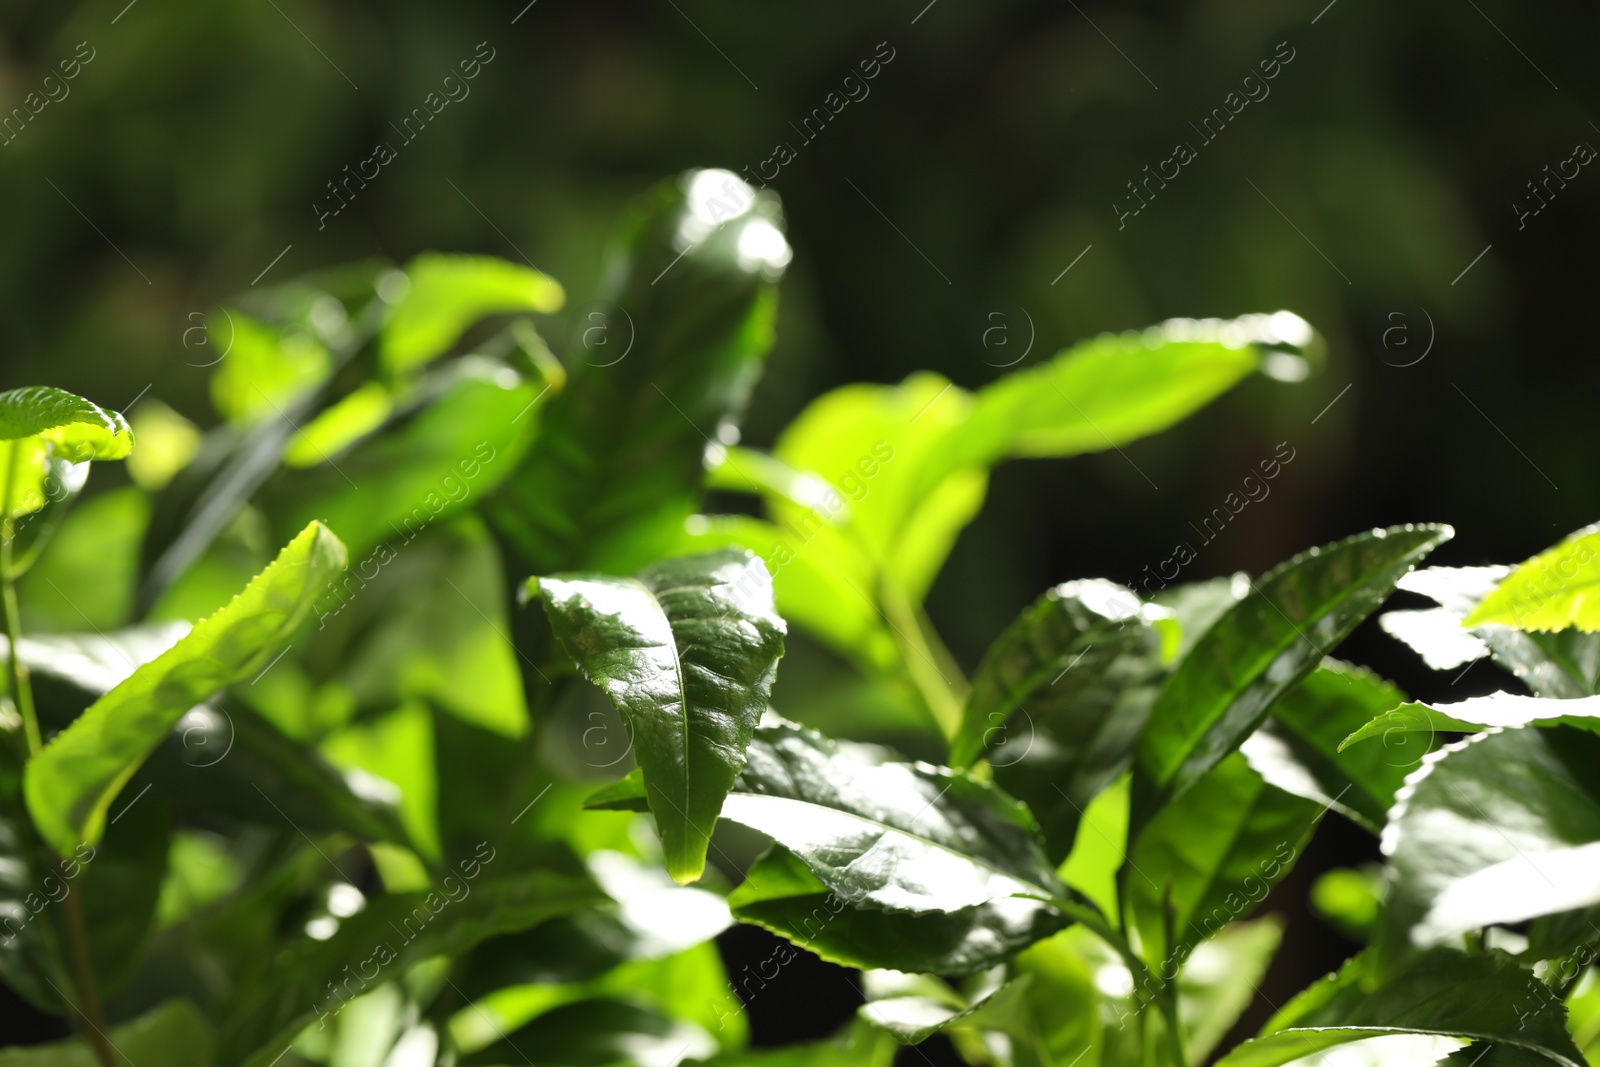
<point>1379,189</point>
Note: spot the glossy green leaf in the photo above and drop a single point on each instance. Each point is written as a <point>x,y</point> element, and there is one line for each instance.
<point>74,428</point>
<point>1501,827</point>
<point>447,294</point>
<point>1262,647</point>
<point>72,782</point>
<point>857,1045</point>
<point>1059,699</point>
<point>1420,724</point>
<point>175,1034</point>
<point>1301,748</point>
<point>780,893</point>
<point>1563,665</point>
<point>1446,995</point>
<point>687,651</point>
<point>664,373</point>
<point>1211,859</point>
<point>597,1032</point>
<point>1557,589</point>
<point>820,581</point>
<point>876,832</point>
<point>381,942</point>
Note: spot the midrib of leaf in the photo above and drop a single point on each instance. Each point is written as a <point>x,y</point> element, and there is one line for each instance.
<point>1232,845</point>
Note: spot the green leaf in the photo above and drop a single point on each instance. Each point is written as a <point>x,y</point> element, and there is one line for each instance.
<point>1445,995</point>
<point>1349,899</point>
<point>447,294</point>
<point>1116,388</point>
<point>75,429</point>
<point>121,886</point>
<point>665,373</point>
<point>175,1034</point>
<point>1301,747</point>
<point>380,943</point>
<point>779,892</point>
<point>30,949</point>
<point>1262,647</point>
<point>1501,827</point>
<point>687,652</point>
<point>593,1033</point>
<point>1219,981</point>
<point>1473,714</point>
<point>449,454</point>
<point>1563,665</point>
<point>876,832</point>
<point>87,578</point>
<point>1210,860</point>
<point>71,783</point>
<point>1059,699</point>
<point>857,1045</point>
<point>264,369</point>
<point>1556,589</point>
<point>879,833</point>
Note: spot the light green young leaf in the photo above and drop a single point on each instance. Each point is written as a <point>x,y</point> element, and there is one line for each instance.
<point>263,368</point>
<point>1301,746</point>
<point>75,429</point>
<point>71,783</point>
<point>1563,665</point>
<point>1259,650</point>
<point>1557,589</point>
<point>1496,829</point>
<point>447,294</point>
<point>687,651</point>
<point>1420,724</point>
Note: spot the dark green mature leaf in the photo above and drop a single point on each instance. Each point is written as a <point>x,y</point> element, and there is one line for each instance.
<point>1557,589</point>
<point>596,1032</point>
<point>121,885</point>
<point>29,946</point>
<point>664,371</point>
<point>1563,665</point>
<point>312,979</point>
<point>175,1034</point>
<point>780,893</point>
<point>1059,700</point>
<point>1501,827</point>
<point>879,833</point>
<point>1260,649</point>
<point>71,783</point>
<point>687,651</point>
<point>1442,994</point>
<point>1210,860</point>
<point>1300,748</point>
<point>74,428</point>
<point>447,294</point>
<point>857,1045</point>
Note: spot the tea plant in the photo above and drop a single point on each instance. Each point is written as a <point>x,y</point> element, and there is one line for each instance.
<point>432,782</point>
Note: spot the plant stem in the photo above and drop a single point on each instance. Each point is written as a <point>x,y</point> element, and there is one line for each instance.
<point>922,652</point>
<point>94,1032</point>
<point>21,690</point>
<point>1166,999</point>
